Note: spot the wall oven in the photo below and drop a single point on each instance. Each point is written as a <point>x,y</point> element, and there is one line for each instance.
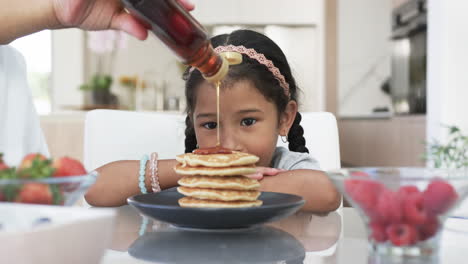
<point>409,39</point>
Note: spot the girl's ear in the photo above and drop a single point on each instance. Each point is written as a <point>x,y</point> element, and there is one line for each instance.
<point>287,118</point>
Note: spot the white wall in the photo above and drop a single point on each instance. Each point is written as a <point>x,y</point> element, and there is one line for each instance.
<point>447,89</point>
<point>364,52</point>
<point>302,57</point>
<point>67,68</point>
<point>280,12</point>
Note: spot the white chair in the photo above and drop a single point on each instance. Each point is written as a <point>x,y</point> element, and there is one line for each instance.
<point>112,135</point>
<point>321,135</point>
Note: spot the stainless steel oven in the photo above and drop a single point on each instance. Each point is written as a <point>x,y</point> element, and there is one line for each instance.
<point>409,37</point>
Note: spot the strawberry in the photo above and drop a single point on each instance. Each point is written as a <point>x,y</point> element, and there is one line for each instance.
<point>8,173</point>
<point>3,165</point>
<point>439,196</point>
<point>58,195</point>
<point>414,210</point>
<point>28,160</point>
<point>36,193</point>
<point>66,166</point>
<point>401,234</point>
<point>35,166</point>
<point>389,207</point>
<point>8,191</point>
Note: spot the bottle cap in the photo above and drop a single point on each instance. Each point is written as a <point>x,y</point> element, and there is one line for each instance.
<point>232,57</point>
<point>223,70</point>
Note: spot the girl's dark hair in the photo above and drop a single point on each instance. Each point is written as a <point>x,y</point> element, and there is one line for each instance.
<point>258,74</point>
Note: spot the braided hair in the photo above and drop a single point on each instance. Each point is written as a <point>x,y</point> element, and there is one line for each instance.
<point>252,71</point>
<point>190,138</point>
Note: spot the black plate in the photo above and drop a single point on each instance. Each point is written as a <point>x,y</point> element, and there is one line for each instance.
<point>163,206</point>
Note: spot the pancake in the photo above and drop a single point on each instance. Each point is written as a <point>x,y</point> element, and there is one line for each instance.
<point>217,160</point>
<point>219,171</point>
<point>220,182</point>
<point>197,203</point>
<point>219,195</point>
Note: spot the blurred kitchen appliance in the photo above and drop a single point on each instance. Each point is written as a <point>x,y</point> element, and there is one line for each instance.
<point>409,37</point>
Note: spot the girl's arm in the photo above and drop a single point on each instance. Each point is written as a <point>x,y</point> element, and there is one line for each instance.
<point>119,180</point>
<point>314,186</point>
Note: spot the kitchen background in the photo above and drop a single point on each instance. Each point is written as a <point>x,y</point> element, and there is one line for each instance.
<point>363,60</point>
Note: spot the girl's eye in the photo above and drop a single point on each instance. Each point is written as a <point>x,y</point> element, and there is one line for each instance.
<point>248,121</point>
<point>209,125</point>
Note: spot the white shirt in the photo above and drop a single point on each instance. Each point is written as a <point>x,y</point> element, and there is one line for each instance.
<point>290,160</point>
<point>20,131</point>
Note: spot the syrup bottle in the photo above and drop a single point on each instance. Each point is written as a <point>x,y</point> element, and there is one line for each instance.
<point>176,28</point>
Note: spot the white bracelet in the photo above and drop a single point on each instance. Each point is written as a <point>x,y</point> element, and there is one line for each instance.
<point>154,173</point>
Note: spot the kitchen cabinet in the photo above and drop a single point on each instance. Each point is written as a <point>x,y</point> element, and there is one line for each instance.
<point>393,141</point>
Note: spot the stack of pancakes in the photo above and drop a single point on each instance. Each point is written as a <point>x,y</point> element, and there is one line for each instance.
<point>215,181</point>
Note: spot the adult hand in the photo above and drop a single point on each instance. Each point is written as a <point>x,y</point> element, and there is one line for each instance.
<point>101,14</point>
<point>264,171</point>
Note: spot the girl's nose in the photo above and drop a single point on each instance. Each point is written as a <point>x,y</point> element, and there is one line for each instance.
<point>230,140</point>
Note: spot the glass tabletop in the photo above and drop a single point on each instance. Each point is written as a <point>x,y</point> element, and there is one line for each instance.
<point>338,237</point>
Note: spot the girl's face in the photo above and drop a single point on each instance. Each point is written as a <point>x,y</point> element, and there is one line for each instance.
<point>249,123</point>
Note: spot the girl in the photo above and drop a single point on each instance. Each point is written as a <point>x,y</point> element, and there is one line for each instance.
<point>258,102</point>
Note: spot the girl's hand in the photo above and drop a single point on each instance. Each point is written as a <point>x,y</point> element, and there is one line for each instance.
<point>99,15</point>
<point>264,171</point>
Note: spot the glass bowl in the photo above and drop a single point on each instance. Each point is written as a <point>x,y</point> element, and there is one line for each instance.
<point>52,191</point>
<point>403,208</point>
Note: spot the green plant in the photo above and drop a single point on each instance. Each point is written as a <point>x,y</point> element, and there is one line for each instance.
<point>99,82</point>
<point>451,155</point>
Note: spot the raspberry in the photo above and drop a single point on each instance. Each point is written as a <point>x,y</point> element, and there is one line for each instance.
<point>401,234</point>
<point>429,228</point>
<point>364,193</point>
<point>408,189</point>
<point>378,231</point>
<point>350,185</point>
<point>439,197</point>
<point>414,210</point>
<point>359,174</point>
<point>389,207</point>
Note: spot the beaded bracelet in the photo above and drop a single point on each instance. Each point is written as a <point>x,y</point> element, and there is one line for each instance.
<point>154,173</point>
<point>141,177</point>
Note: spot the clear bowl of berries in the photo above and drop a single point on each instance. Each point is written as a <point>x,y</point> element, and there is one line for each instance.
<point>403,208</point>
<point>38,180</point>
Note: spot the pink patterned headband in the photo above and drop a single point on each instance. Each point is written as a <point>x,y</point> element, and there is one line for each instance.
<point>258,57</point>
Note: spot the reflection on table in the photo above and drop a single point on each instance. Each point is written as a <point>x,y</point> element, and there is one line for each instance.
<point>262,244</point>
<point>285,241</point>
<point>338,237</point>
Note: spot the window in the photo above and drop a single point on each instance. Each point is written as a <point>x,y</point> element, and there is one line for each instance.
<point>37,52</point>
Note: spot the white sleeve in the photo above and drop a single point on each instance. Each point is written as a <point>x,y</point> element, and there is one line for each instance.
<point>20,131</point>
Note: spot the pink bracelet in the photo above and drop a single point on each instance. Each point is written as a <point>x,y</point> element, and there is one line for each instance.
<point>154,173</point>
